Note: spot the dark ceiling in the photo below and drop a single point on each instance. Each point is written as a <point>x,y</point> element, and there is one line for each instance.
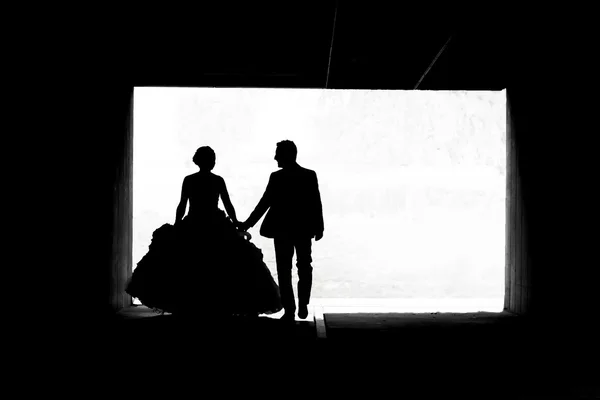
<point>289,46</point>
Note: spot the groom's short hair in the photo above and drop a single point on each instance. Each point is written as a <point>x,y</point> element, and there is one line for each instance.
<point>288,149</point>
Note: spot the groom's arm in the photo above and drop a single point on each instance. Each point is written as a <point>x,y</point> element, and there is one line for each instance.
<point>320,226</point>
<point>262,206</point>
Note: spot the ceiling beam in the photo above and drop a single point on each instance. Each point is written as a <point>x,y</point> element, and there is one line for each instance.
<point>433,62</point>
<point>331,45</point>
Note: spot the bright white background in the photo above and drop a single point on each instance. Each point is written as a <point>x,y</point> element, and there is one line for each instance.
<point>412,182</point>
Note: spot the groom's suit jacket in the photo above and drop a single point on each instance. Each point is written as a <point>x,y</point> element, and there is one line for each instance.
<point>293,201</point>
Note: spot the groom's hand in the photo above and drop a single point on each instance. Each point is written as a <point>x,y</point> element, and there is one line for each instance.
<point>319,236</point>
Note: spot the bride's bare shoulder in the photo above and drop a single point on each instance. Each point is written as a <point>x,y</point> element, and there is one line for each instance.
<point>216,177</point>
<point>205,178</point>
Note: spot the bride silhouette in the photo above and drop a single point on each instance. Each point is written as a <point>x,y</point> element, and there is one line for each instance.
<point>203,263</point>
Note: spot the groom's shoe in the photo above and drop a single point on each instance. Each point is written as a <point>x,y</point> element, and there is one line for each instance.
<point>303,311</point>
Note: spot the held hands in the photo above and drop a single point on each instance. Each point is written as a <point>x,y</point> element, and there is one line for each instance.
<point>243,226</point>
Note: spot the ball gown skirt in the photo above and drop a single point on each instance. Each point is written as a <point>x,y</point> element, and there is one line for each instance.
<point>204,265</point>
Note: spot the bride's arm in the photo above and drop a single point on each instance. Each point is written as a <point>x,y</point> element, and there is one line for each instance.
<point>227,202</point>
<point>182,203</point>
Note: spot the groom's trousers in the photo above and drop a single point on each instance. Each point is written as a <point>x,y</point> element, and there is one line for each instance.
<point>284,251</point>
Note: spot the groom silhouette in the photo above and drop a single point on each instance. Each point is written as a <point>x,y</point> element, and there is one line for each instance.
<point>295,216</point>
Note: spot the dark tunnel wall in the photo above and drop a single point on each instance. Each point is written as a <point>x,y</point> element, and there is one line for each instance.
<point>122,200</point>
<point>518,263</point>
<point>112,210</point>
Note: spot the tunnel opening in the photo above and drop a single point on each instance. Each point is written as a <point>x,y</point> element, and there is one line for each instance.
<point>413,184</point>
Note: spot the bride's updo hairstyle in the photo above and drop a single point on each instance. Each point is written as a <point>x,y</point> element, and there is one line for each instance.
<point>205,158</point>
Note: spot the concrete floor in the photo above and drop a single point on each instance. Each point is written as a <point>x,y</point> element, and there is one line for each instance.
<point>424,355</point>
